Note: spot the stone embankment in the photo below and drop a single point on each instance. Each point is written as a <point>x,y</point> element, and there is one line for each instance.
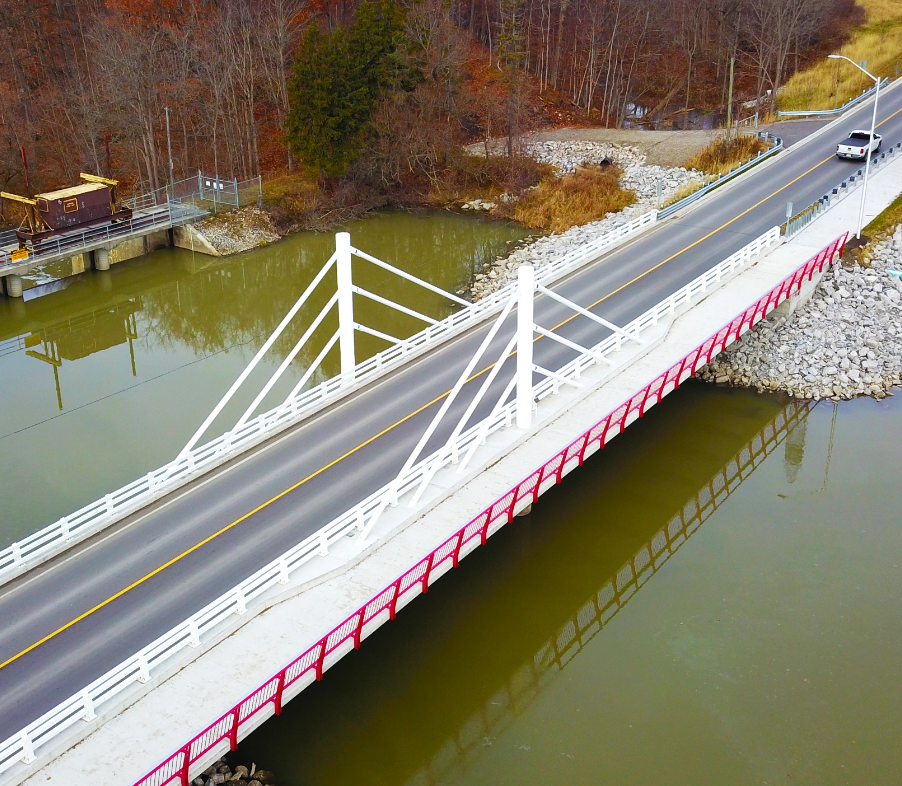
<point>846,341</point>
<point>638,177</point>
<point>221,772</point>
<point>238,230</point>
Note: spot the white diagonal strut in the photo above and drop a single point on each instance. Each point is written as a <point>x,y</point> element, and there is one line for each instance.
<point>573,345</point>
<point>285,363</point>
<point>314,365</point>
<point>256,359</point>
<point>552,375</point>
<point>594,317</point>
<point>378,334</point>
<point>446,404</point>
<point>397,306</point>
<point>409,277</point>
<point>449,444</point>
<point>484,428</point>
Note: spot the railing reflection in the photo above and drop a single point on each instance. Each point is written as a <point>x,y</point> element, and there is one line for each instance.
<point>525,684</point>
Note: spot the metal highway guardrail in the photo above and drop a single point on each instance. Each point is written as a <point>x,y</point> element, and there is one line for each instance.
<point>34,549</point>
<point>832,112</point>
<point>138,668</point>
<point>696,195</point>
<point>801,220</point>
<point>73,243</point>
<point>382,607</point>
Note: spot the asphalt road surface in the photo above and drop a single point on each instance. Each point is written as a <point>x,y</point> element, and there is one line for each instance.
<point>350,451</point>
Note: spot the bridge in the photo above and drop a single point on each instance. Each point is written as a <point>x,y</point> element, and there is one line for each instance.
<point>117,599</point>
<point>155,215</point>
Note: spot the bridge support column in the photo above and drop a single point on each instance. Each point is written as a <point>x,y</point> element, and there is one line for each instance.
<point>345,303</point>
<point>14,286</point>
<point>101,259</point>
<point>526,287</point>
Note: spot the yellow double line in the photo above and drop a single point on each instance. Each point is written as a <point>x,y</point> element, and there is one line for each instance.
<point>362,445</point>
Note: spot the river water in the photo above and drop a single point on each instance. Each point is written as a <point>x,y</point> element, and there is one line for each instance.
<point>108,378</point>
<point>760,646</point>
<point>712,599</point>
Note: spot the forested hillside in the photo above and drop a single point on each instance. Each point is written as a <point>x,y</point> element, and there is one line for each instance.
<point>73,72</point>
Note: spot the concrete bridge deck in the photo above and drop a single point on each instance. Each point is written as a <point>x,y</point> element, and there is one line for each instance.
<point>79,615</point>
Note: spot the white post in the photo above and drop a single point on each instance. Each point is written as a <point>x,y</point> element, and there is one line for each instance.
<point>345,302</point>
<point>867,166</point>
<point>526,286</point>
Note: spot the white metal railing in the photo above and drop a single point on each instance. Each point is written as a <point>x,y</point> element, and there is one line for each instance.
<point>839,110</point>
<point>718,181</point>
<point>141,666</point>
<point>801,220</point>
<point>114,506</point>
<point>74,242</point>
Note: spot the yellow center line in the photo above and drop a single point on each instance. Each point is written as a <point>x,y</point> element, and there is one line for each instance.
<point>398,423</point>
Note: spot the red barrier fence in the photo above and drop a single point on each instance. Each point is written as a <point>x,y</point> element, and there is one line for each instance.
<point>313,660</point>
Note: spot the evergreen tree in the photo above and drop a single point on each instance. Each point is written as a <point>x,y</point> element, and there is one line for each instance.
<point>337,83</point>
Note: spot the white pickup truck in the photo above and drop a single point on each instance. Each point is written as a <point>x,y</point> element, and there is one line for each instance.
<point>857,145</point>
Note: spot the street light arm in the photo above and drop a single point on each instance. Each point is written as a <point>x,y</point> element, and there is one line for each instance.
<point>843,57</point>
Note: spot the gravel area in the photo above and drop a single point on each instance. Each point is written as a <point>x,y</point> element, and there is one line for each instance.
<point>658,148</point>
<point>238,230</point>
<point>638,176</point>
<point>844,342</point>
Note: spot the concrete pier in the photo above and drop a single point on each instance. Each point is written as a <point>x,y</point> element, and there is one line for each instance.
<point>13,286</point>
<point>101,259</point>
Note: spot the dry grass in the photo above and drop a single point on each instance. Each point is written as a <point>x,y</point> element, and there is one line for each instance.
<point>572,200</point>
<point>721,155</point>
<point>882,227</point>
<point>831,83</point>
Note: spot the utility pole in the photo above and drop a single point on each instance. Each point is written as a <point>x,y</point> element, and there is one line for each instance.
<point>730,101</point>
<point>169,148</point>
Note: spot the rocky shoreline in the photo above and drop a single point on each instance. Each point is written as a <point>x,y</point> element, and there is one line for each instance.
<point>846,341</point>
<point>221,772</point>
<point>240,230</point>
<point>637,176</point>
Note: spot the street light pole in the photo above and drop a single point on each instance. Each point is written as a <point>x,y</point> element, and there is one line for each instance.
<point>867,166</point>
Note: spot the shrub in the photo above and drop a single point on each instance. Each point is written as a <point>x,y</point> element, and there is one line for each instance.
<point>722,155</point>
<point>560,203</point>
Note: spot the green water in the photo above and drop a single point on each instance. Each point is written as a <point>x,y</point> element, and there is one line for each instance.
<point>108,377</point>
<point>761,647</point>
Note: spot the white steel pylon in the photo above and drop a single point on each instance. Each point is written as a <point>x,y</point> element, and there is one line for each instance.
<point>344,336</point>
<point>522,343</point>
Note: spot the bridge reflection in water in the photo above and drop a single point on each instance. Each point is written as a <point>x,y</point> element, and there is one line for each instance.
<point>587,622</point>
<point>403,710</point>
